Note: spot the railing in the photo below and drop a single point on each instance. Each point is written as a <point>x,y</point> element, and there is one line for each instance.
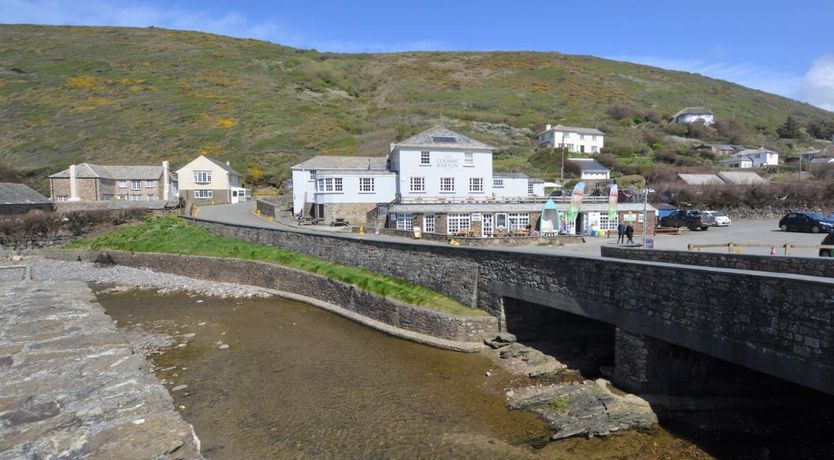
<point>731,247</point>
<point>590,199</point>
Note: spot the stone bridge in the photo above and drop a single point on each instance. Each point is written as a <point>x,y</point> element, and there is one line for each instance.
<point>774,323</point>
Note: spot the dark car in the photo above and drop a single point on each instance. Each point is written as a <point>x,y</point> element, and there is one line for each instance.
<point>813,222</point>
<point>692,219</point>
<point>827,241</point>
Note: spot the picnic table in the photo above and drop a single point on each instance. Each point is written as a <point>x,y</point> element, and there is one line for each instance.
<point>339,222</point>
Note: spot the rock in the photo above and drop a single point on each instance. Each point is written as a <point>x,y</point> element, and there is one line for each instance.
<point>179,387</point>
<point>223,346</point>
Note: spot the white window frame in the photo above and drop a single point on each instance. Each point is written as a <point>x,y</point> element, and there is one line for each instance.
<point>405,221</point>
<point>61,198</point>
<point>136,185</point>
<point>476,185</point>
<point>530,189</point>
<point>498,183</point>
<point>106,197</point>
<point>468,159</point>
<point>456,222</point>
<point>202,177</point>
<point>518,220</point>
<point>417,184</point>
<point>447,185</point>
<point>338,184</point>
<point>604,224</point>
<point>150,183</point>
<point>425,158</point>
<point>203,194</point>
<point>122,184</point>
<point>366,185</point>
<point>122,197</point>
<point>430,223</point>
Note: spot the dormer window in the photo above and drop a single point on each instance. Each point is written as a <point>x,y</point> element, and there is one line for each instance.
<point>469,159</point>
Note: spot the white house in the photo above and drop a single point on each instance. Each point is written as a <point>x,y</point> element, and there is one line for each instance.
<point>208,181</point>
<point>591,170</point>
<point>752,158</point>
<point>574,139</point>
<point>693,115</point>
<point>341,187</point>
<point>431,180</point>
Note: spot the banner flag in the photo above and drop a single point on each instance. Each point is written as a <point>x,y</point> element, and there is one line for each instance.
<point>576,201</point>
<point>612,203</point>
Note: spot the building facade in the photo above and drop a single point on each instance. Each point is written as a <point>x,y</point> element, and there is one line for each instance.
<point>574,139</point>
<point>208,181</point>
<point>752,158</point>
<point>91,182</point>
<point>591,170</point>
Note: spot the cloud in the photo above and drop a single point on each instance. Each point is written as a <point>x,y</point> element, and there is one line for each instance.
<point>144,14</point>
<point>746,74</point>
<point>818,86</point>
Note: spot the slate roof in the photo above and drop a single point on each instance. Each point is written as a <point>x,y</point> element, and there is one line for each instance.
<point>510,175</point>
<point>827,152</point>
<point>91,171</point>
<point>505,207</point>
<point>747,152</point>
<point>693,110</point>
<point>328,162</point>
<point>20,194</point>
<point>441,137</point>
<point>223,165</point>
<point>575,129</point>
<point>589,165</point>
<point>740,178</point>
<point>700,179</point>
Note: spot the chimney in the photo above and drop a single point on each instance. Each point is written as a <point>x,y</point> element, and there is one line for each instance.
<point>166,181</point>
<point>547,127</point>
<point>73,183</point>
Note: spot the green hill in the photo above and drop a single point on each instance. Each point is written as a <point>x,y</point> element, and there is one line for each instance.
<point>119,95</point>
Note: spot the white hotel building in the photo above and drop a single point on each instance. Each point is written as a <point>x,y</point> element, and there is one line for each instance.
<point>439,180</point>
<point>572,138</point>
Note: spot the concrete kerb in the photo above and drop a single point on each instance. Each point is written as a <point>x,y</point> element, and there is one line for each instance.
<point>426,315</point>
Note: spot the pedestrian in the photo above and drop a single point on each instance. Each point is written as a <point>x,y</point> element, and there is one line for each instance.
<point>621,228</point>
<point>629,233</point>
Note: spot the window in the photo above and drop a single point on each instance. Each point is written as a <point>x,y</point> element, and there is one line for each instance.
<point>595,149</point>
<point>136,185</point>
<point>122,197</point>
<point>530,189</point>
<point>202,177</point>
<point>366,184</point>
<point>457,223</point>
<point>405,221</point>
<point>594,138</point>
<point>330,184</point>
<point>61,198</point>
<point>501,221</point>
<point>150,183</point>
<point>337,184</point>
<point>582,149</point>
<point>468,159</point>
<point>605,224</point>
<point>570,148</point>
<point>319,185</point>
<point>447,185</point>
<point>476,185</point>
<point>135,197</point>
<point>122,184</point>
<point>518,220</point>
<point>425,158</point>
<point>149,197</point>
<point>418,184</point>
<point>107,197</point>
<point>498,183</point>
<point>204,194</point>
<point>582,137</point>
<point>429,223</point>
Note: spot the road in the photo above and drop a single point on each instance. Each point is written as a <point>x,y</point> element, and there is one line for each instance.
<point>760,231</point>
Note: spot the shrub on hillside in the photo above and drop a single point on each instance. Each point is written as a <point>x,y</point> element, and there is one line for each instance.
<point>796,195</point>
<point>618,111</point>
<point>38,225</point>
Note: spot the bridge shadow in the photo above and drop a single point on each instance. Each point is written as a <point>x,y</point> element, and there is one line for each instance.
<point>726,410</point>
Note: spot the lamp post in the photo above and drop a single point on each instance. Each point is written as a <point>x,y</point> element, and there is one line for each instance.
<point>645,213</point>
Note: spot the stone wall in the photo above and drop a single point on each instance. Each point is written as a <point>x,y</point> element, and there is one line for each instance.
<point>779,324</point>
<point>823,266</point>
<point>103,205</point>
<point>266,208</point>
<point>15,209</point>
<point>370,305</point>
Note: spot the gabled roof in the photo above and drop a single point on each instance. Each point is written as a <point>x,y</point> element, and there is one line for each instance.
<point>740,178</point>
<point>827,152</point>
<point>589,165</point>
<point>747,152</point>
<point>700,179</point>
<point>693,111</point>
<point>222,164</point>
<point>442,138</point>
<point>91,171</point>
<point>344,162</point>
<point>20,194</point>
<point>575,129</point>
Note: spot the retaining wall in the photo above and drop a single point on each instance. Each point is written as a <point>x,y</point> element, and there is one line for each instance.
<point>367,304</point>
<point>779,264</point>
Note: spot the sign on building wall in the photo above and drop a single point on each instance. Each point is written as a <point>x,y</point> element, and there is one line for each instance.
<point>630,217</point>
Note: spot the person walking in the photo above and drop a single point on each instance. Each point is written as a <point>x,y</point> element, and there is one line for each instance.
<point>629,233</point>
<point>621,228</point>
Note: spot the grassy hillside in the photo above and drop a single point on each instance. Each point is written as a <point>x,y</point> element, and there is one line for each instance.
<point>117,95</point>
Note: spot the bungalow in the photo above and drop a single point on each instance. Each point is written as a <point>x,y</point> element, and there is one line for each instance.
<point>752,158</point>
<point>20,199</point>
<point>208,181</point>
<point>694,115</point>
<point>740,178</point>
<point>91,182</point>
<point>572,138</point>
<point>591,170</point>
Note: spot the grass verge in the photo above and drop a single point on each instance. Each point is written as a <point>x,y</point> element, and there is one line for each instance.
<point>174,236</point>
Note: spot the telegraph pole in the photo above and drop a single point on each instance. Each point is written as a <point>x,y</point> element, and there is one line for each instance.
<point>645,214</point>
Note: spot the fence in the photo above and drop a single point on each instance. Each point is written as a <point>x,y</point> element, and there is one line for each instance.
<point>731,247</point>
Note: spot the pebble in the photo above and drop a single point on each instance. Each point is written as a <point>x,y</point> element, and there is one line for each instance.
<point>179,387</point>
<point>223,347</point>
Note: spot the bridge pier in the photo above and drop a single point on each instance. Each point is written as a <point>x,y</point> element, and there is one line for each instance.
<point>633,356</point>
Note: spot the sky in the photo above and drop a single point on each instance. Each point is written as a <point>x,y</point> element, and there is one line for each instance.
<point>779,46</point>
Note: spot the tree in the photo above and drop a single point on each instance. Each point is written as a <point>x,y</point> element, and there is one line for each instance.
<point>789,129</point>
<point>821,129</point>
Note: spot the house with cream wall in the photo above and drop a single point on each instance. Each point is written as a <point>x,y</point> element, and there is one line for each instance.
<point>572,138</point>
<point>206,180</point>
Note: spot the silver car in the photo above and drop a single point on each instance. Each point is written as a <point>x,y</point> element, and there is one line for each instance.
<point>721,220</point>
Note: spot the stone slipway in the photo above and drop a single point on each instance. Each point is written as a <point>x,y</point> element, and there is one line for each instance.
<point>71,385</point>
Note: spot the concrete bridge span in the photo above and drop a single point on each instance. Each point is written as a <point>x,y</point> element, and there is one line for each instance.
<point>775,323</point>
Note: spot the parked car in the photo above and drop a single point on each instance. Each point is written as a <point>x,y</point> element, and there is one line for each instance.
<point>827,241</point>
<point>813,222</point>
<point>692,219</point>
<point>721,220</point>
